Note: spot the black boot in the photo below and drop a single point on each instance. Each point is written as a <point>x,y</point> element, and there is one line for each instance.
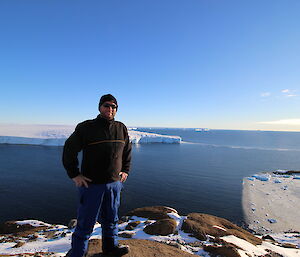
<point>69,253</point>
<point>109,248</point>
<point>117,251</point>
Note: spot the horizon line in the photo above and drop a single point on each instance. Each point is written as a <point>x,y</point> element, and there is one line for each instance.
<point>151,127</point>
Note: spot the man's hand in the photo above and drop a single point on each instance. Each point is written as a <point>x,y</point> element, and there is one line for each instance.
<point>81,180</point>
<point>123,176</point>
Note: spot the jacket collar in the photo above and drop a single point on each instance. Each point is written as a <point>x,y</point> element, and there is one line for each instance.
<point>105,121</point>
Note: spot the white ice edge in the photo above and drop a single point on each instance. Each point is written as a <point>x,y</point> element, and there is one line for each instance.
<point>57,135</point>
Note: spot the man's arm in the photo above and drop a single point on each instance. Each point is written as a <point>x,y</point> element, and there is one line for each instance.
<point>72,147</point>
<point>126,154</point>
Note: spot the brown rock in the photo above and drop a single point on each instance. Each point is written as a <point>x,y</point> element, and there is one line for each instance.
<point>195,244</point>
<point>192,227</point>
<point>11,227</point>
<point>153,212</point>
<point>123,219</point>
<point>224,250</point>
<point>132,225</point>
<point>72,223</point>
<point>268,237</point>
<point>161,227</point>
<point>200,225</point>
<point>33,237</point>
<point>140,248</point>
<point>8,239</point>
<point>271,254</point>
<point>288,245</point>
<point>19,244</point>
<point>126,234</point>
<point>50,234</point>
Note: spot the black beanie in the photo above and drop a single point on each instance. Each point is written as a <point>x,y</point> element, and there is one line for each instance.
<point>106,98</point>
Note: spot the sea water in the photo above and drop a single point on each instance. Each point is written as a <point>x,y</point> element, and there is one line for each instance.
<point>202,174</point>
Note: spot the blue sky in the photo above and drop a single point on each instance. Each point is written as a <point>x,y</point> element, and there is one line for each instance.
<point>196,63</point>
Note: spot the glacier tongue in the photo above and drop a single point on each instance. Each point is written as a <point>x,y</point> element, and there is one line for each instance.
<point>52,135</point>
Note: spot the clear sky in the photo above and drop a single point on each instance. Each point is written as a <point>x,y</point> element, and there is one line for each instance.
<point>193,63</point>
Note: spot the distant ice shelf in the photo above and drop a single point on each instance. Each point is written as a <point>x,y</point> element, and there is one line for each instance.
<point>202,129</point>
<point>57,135</point>
<point>138,137</point>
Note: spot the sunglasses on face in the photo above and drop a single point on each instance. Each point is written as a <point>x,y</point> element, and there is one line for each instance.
<point>113,106</point>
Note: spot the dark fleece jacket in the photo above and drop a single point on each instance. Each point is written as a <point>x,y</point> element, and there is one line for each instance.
<point>106,150</point>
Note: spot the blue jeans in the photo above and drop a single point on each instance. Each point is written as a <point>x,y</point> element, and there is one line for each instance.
<point>97,202</point>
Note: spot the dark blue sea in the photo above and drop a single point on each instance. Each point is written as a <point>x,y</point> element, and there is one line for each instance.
<point>202,174</point>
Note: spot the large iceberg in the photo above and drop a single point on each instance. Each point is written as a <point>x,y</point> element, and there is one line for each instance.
<point>55,135</point>
<point>138,137</point>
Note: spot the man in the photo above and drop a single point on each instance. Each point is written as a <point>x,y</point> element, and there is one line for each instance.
<point>106,156</point>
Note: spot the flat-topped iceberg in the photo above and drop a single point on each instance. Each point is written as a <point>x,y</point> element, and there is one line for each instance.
<point>56,135</point>
<point>144,137</point>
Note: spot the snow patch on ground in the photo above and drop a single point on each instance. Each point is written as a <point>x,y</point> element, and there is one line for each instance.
<point>60,242</point>
<point>34,223</point>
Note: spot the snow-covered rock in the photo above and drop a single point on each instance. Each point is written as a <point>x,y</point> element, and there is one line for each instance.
<point>221,237</point>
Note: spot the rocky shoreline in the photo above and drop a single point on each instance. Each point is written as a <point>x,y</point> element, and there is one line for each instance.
<point>151,231</point>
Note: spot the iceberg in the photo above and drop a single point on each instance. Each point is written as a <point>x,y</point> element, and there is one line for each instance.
<point>282,171</point>
<point>261,177</point>
<point>145,137</point>
<point>56,135</point>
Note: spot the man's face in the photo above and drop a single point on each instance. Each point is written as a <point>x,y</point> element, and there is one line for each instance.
<point>108,110</point>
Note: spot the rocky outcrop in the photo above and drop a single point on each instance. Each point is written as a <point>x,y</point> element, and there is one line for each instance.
<point>140,248</point>
<point>132,225</point>
<point>72,223</point>
<point>200,225</point>
<point>12,227</point>
<point>223,250</point>
<point>208,235</point>
<point>153,212</point>
<point>162,227</point>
